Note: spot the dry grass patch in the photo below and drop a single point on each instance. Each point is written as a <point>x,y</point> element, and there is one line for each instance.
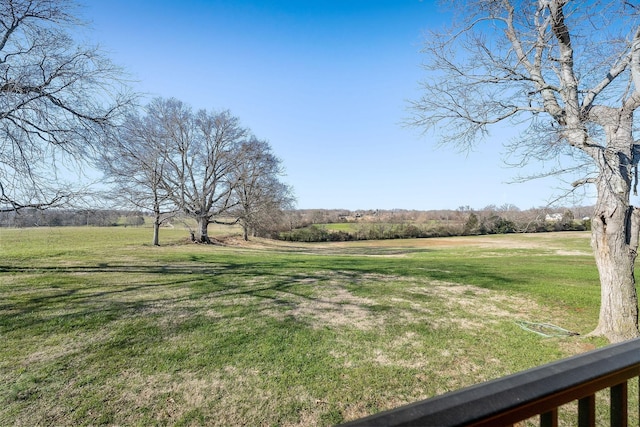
<point>329,304</point>
<point>474,306</point>
<point>336,307</point>
<point>171,397</point>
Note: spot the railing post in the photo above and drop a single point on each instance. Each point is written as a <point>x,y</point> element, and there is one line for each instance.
<point>619,409</point>
<point>549,419</point>
<point>587,411</point>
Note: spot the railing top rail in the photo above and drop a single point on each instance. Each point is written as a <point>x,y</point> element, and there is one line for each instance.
<point>519,396</point>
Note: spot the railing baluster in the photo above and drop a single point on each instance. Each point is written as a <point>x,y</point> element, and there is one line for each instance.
<point>619,409</point>
<point>587,411</point>
<point>549,419</point>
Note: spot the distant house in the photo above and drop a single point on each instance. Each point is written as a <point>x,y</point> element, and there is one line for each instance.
<point>555,217</point>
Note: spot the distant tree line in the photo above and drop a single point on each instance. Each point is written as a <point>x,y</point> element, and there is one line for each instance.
<point>313,225</point>
<point>405,224</point>
<point>370,231</point>
<point>32,217</point>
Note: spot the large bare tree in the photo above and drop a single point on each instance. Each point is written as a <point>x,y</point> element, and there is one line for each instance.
<point>259,194</point>
<point>134,166</point>
<point>570,72</point>
<point>57,98</point>
<point>204,164</point>
<point>201,153</point>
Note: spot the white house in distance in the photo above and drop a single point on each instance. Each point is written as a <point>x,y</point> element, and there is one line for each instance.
<point>555,217</point>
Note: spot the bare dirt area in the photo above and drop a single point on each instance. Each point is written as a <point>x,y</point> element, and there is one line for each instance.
<point>508,241</point>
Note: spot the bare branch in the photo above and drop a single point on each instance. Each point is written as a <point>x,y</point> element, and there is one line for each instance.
<point>56,97</point>
<point>583,181</point>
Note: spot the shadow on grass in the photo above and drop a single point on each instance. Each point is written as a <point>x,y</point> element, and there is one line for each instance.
<point>76,297</point>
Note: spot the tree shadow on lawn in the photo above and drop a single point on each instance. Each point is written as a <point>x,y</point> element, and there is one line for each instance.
<point>231,290</point>
<point>167,318</point>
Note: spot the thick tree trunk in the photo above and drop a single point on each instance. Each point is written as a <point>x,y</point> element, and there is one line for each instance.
<point>611,235</point>
<point>203,224</point>
<point>245,229</point>
<point>614,238</point>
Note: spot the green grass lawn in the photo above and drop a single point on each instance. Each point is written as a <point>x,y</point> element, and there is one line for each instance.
<point>100,328</point>
<point>341,226</point>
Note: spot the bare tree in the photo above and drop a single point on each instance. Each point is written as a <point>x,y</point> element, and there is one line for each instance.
<point>260,195</point>
<point>201,153</point>
<point>57,98</point>
<point>135,169</point>
<point>204,164</point>
<point>570,71</point>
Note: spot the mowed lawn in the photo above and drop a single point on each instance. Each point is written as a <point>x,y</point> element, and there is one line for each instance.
<point>100,328</point>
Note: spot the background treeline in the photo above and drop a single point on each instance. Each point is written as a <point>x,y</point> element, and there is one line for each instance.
<point>71,218</point>
<point>323,225</point>
<point>340,225</point>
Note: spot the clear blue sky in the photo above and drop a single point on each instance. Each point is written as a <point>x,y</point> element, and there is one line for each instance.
<point>326,82</point>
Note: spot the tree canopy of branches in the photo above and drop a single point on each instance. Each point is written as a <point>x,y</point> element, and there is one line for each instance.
<point>570,72</point>
<point>259,195</point>
<point>204,164</point>
<point>201,153</point>
<point>57,98</point>
<point>135,169</point>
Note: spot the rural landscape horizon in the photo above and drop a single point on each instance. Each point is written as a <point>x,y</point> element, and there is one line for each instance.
<point>161,263</point>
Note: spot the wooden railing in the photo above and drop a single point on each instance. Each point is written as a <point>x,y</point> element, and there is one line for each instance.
<point>539,392</point>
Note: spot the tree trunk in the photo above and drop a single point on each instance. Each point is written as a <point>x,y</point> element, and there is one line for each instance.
<point>203,223</point>
<point>156,232</point>
<point>157,216</point>
<point>615,260</point>
<point>614,238</point>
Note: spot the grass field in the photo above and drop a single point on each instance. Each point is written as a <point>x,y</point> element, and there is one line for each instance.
<point>351,227</point>
<point>100,328</point>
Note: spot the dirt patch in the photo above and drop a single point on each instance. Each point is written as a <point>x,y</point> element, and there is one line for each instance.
<point>573,253</point>
<point>576,347</point>
<point>480,302</point>
<point>330,306</point>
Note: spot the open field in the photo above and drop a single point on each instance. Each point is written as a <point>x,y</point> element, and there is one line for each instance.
<point>100,328</point>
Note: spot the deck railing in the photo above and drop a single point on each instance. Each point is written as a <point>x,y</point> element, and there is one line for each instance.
<point>539,392</point>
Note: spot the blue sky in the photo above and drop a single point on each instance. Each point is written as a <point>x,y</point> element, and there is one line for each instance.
<point>326,82</point>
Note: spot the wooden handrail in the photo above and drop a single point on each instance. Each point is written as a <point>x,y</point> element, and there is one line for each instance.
<point>537,391</point>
